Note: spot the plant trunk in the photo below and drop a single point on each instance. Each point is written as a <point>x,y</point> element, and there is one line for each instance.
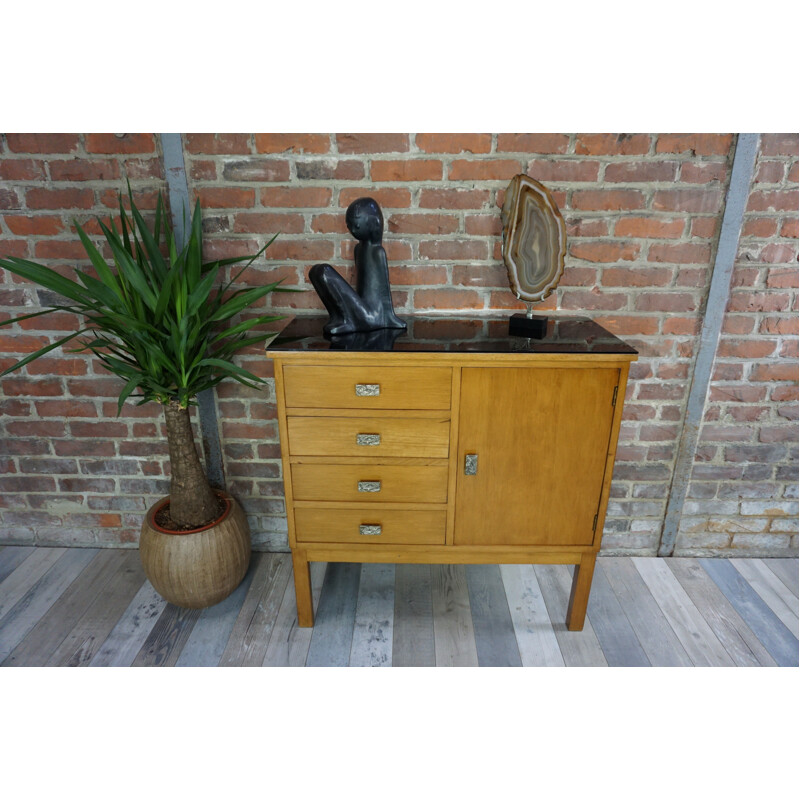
<point>191,500</point>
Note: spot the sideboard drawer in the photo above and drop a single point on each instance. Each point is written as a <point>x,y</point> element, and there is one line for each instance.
<point>369,436</point>
<point>350,483</point>
<point>373,526</point>
<point>367,387</point>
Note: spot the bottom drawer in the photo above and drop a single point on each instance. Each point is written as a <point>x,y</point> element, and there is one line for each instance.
<point>370,527</point>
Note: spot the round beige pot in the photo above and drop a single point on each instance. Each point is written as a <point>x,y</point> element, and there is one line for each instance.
<point>196,569</point>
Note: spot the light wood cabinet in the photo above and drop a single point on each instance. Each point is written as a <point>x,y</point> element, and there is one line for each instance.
<point>462,455</point>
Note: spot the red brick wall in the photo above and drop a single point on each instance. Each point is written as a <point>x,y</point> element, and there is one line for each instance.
<point>643,215</point>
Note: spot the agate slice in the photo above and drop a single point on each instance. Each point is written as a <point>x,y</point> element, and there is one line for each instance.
<point>534,239</point>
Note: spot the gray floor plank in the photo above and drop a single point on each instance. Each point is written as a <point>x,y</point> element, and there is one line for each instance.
<point>54,627</point>
<point>620,644</point>
<point>771,590</point>
<point>19,582</point>
<point>211,632</point>
<point>288,644</point>
<point>163,645</point>
<point>536,640</point>
<point>129,634</point>
<point>412,636</point>
<point>250,648</point>
<point>658,640</point>
<point>787,570</point>
<point>454,636</point>
<point>332,635</point>
<point>85,639</point>
<point>579,648</point>
<point>695,634</point>
<point>740,642</point>
<point>373,628</point>
<point>37,601</point>
<point>772,633</point>
<point>11,557</point>
<point>495,641</point>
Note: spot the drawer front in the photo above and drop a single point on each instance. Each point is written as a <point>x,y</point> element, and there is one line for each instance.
<point>367,387</point>
<point>370,527</point>
<point>369,483</point>
<point>369,436</point>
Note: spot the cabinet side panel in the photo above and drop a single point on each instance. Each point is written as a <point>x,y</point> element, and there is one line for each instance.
<point>284,436</point>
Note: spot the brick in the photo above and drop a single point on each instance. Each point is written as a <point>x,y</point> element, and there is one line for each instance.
<point>453,198</point>
<point>42,142</point>
<point>41,225</point>
<point>649,227</point>
<point>120,143</point>
<point>631,326</point>
<point>776,200</point>
<point>453,250</point>
<point>757,301</point>
<point>770,172</point>
<point>59,249</point>
<point>454,142</point>
<point>547,143</point>
<point>203,170</point>
<point>59,198</point>
<point>586,227</point>
<point>386,198</point>
<point>746,348</point>
<point>572,171</point>
<point>422,223</point>
<point>703,172</point>
<point>769,508</point>
<point>65,408</point>
<point>217,143</point>
<point>143,168</point>
<point>49,429</point>
<point>593,300</point>
<point>480,275</point>
<point>680,253</point>
<point>761,227</point>
<point>417,276</point>
<point>372,142</point>
<point>784,433</point>
<point>703,227</point>
<point>226,197</point>
<point>26,483</point>
<point>38,466</point>
<point>665,301</point>
<point>84,170</point>
<point>779,144</point>
<point>737,394</point>
<point>268,223</point>
<point>9,199</point>
<point>612,144</point>
<point>786,325</point>
<point>773,372</point>
<point>661,391</point>
<point>292,143</point>
<point>778,253</point>
<point>483,225</point>
<point>703,201</point>
<point>301,250</point>
<point>789,227</point>
<point>26,387</point>
<point>305,197</point>
<point>329,169</point>
<point>406,170</point>
<point>604,251</point>
<point>607,200</point>
<point>483,170</point>
<point>256,169</point>
<point>579,276</point>
<point>99,430</point>
<point>58,366</point>
<point>700,144</point>
<point>641,171</point>
<point>447,299</point>
<point>22,169</point>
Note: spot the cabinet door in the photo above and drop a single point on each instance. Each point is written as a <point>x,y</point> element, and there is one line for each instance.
<point>541,437</point>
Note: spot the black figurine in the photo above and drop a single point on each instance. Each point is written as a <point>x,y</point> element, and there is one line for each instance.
<point>369,306</point>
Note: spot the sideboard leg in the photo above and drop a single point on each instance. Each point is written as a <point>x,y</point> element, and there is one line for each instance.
<point>579,596</point>
<point>302,589</point>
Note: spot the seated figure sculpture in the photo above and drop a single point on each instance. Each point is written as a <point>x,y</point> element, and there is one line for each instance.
<point>369,306</point>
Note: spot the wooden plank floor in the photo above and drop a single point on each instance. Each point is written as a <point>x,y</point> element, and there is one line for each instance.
<point>82,607</point>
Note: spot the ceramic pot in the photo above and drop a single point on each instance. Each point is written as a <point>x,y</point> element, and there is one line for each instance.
<point>196,569</point>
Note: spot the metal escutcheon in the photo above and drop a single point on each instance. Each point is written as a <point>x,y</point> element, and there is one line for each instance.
<point>471,464</point>
<point>369,530</point>
<point>368,439</point>
<point>369,486</point>
<point>368,389</point>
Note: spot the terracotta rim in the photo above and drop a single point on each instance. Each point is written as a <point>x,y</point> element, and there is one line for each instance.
<point>151,517</point>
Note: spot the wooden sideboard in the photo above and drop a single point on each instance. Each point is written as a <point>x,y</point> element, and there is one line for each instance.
<point>452,443</point>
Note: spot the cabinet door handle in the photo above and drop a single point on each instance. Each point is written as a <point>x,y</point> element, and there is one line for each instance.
<point>370,530</point>
<point>471,464</point>
<point>368,389</point>
<point>369,486</point>
<point>368,439</point>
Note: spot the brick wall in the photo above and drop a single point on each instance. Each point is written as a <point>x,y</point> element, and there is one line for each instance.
<point>643,214</point>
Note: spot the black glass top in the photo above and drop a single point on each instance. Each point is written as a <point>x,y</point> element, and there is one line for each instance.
<point>552,334</point>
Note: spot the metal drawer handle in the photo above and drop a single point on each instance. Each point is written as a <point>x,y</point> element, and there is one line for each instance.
<point>368,389</point>
<point>369,486</point>
<point>368,439</point>
<point>471,464</point>
<point>370,530</point>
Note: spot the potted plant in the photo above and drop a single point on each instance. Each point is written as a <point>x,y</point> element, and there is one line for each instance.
<point>160,319</point>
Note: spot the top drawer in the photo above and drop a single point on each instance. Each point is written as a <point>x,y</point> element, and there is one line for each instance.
<point>367,387</point>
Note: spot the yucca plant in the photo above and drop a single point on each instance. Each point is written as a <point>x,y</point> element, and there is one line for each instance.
<point>161,322</point>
